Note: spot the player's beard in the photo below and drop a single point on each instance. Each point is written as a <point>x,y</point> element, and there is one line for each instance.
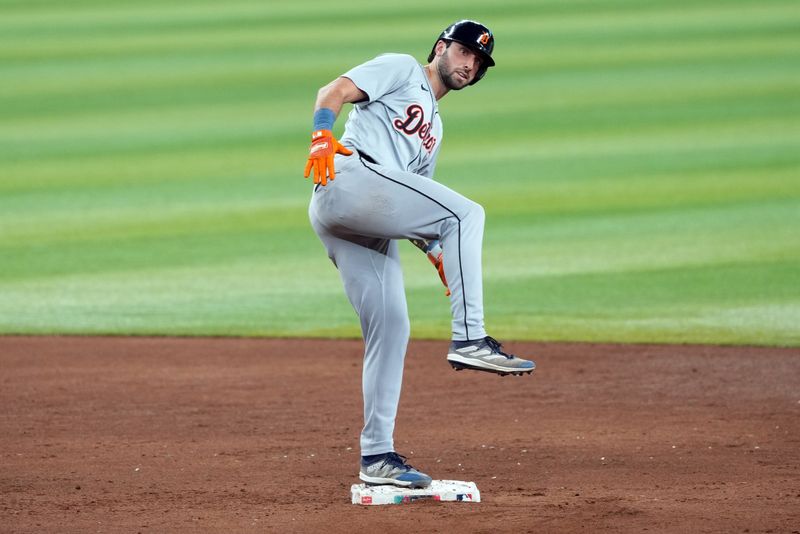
<point>449,77</point>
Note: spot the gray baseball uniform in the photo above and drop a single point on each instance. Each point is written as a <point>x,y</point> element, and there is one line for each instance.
<point>383,193</point>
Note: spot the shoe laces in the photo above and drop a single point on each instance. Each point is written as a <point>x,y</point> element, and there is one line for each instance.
<point>496,346</point>
<point>396,460</point>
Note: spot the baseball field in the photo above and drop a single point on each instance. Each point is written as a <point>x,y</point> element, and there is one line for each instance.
<point>176,350</point>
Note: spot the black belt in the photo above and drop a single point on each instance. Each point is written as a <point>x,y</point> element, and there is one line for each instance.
<point>367,157</point>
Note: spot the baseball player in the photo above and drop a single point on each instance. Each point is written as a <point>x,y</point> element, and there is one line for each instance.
<point>374,188</point>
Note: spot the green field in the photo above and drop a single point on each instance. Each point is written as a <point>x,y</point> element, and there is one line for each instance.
<point>639,162</point>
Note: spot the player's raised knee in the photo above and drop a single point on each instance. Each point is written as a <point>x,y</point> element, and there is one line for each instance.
<point>476,212</point>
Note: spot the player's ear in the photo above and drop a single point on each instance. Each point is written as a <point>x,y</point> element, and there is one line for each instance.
<point>441,46</point>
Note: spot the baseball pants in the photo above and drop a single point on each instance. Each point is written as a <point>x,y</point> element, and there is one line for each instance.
<point>359,217</point>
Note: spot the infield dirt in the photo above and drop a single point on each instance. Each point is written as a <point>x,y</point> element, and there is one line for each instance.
<point>261,435</point>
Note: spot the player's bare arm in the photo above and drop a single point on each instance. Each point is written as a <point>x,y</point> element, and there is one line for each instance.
<point>324,146</point>
<point>337,93</point>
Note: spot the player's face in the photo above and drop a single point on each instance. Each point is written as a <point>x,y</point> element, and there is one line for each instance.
<point>458,66</point>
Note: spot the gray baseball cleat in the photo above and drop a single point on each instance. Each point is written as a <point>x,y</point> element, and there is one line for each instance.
<point>391,468</point>
<point>485,355</point>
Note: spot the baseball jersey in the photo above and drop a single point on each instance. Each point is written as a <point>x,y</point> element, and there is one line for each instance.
<point>398,125</point>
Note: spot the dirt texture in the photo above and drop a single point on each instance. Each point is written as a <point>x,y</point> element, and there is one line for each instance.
<point>261,435</point>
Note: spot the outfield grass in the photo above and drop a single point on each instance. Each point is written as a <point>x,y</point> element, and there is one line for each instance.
<point>639,162</point>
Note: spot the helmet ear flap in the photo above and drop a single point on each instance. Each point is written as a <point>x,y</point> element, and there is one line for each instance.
<point>478,75</point>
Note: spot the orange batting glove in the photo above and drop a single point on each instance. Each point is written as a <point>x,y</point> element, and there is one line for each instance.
<point>436,260</point>
<point>320,156</point>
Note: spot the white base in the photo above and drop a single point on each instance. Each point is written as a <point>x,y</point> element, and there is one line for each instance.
<point>439,490</point>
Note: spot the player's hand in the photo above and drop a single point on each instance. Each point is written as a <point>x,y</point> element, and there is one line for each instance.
<point>435,258</point>
<point>320,156</point>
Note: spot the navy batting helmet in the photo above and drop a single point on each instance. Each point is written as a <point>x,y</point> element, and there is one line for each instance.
<point>473,35</point>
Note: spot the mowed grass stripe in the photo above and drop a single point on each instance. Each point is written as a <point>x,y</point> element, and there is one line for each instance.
<point>561,16</point>
<point>191,93</point>
<point>654,312</point>
<point>552,162</point>
<point>143,138</point>
<point>233,50</point>
<point>568,46</point>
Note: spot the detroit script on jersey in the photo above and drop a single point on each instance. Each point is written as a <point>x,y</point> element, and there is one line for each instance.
<point>398,125</point>
<point>414,124</point>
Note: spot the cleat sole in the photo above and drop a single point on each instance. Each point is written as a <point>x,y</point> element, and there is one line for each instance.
<point>458,366</point>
